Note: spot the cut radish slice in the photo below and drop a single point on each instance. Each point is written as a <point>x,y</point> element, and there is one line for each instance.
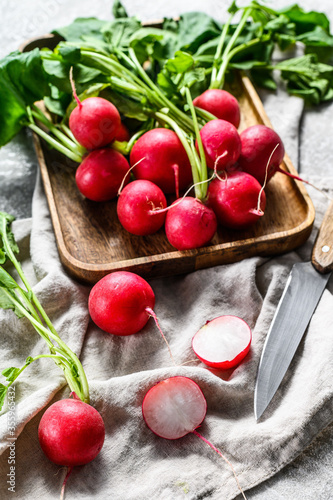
<point>222,342</point>
<point>174,407</point>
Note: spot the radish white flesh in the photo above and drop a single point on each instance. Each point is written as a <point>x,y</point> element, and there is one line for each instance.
<point>222,342</point>
<point>174,407</point>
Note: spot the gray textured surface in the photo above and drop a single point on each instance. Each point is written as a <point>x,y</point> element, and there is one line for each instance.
<point>310,476</point>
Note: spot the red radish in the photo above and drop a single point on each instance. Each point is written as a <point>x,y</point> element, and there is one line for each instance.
<point>189,224</point>
<point>223,342</point>
<point>163,160</point>
<point>101,174</point>
<point>258,143</point>
<point>71,432</point>
<point>262,154</point>
<point>122,134</point>
<point>138,205</point>
<point>235,200</point>
<point>174,407</point>
<point>94,122</point>
<point>221,104</point>
<point>221,143</point>
<point>121,303</point>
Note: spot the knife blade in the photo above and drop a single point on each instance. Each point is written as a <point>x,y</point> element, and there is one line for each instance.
<point>304,287</point>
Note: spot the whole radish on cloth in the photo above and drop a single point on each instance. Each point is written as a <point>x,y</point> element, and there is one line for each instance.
<point>71,432</point>
<point>118,303</point>
<point>121,303</point>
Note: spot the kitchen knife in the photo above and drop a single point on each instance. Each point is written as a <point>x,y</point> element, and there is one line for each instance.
<point>301,295</point>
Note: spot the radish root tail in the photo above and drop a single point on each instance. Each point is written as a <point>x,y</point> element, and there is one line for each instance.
<point>305,182</point>
<point>62,493</point>
<point>153,315</point>
<point>224,173</point>
<point>128,171</point>
<point>258,210</point>
<point>184,195</point>
<point>224,458</point>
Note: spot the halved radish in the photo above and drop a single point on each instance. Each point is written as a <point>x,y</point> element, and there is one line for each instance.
<point>222,342</point>
<point>174,407</point>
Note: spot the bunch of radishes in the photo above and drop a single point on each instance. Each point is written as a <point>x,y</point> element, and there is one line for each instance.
<point>161,163</point>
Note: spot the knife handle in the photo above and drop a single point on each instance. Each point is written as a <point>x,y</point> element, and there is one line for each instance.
<point>322,253</point>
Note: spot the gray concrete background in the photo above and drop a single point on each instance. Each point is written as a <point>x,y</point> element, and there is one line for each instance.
<point>310,476</point>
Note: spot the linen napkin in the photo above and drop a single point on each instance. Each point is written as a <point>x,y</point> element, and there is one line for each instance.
<point>134,464</point>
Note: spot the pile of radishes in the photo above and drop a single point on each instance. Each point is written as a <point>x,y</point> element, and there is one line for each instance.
<point>153,183</point>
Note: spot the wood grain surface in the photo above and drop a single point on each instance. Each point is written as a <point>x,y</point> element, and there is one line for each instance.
<point>92,243</point>
<point>322,254</point>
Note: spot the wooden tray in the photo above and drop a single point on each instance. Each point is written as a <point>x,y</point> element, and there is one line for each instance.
<point>92,243</point>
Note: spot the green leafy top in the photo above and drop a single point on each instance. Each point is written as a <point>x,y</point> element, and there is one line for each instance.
<point>6,236</point>
<point>23,81</point>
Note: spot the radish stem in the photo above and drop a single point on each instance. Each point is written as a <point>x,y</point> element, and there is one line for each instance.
<point>71,79</point>
<point>203,164</point>
<point>59,147</point>
<point>19,298</point>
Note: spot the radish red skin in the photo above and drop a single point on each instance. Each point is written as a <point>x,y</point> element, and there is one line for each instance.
<point>117,303</point>
<point>135,208</point>
<point>122,134</point>
<point>171,398</point>
<point>221,104</point>
<point>223,323</point>
<point>158,151</point>
<point>258,143</point>
<point>235,199</point>
<point>101,174</point>
<point>95,122</point>
<point>71,433</point>
<point>189,224</point>
<point>219,137</point>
